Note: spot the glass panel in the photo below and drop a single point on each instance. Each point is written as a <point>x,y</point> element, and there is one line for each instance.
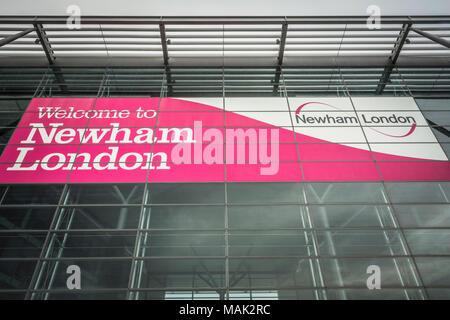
<point>16,274</point>
<point>179,273</point>
<point>434,271</point>
<point>104,193</point>
<point>21,245</point>
<point>94,273</point>
<point>336,216</point>
<point>272,273</point>
<point>32,194</point>
<point>98,217</point>
<point>181,243</point>
<point>282,216</point>
<point>360,242</point>
<point>397,272</point>
<point>354,192</point>
<point>423,215</point>
<point>186,193</point>
<point>279,192</point>
<point>26,218</point>
<point>270,243</point>
<point>404,192</point>
<point>184,217</point>
<point>82,244</point>
<point>428,241</point>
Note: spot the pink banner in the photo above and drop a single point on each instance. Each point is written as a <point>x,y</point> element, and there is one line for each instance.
<point>84,140</point>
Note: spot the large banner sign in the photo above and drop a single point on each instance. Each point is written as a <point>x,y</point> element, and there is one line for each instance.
<point>82,140</point>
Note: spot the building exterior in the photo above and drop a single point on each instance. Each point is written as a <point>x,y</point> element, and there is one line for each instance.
<point>361,117</point>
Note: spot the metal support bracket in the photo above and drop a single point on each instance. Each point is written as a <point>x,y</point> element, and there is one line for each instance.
<point>392,60</point>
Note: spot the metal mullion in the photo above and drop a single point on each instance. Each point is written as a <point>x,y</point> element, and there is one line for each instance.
<point>133,269</point>
<point>60,252</point>
<point>63,199</point>
<point>305,198</point>
<point>388,199</point>
<point>225,183</point>
<point>45,247</point>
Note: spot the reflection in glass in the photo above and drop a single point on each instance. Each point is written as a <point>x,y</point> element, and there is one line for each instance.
<point>271,243</point>
<point>90,244</point>
<point>185,193</point>
<point>21,245</point>
<point>179,273</point>
<point>342,272</point>
<point>29,218</point>
<point>32,194</point>
<point>416,192</point>
<point>273,273</point>
<point>360,243</point>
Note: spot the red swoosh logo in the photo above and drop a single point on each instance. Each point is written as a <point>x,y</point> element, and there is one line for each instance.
<point>411,130</point>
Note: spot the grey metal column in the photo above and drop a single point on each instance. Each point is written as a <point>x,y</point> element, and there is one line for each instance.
<point>280,56</point>
<point>43,40</point>
<point>432,37</point>
<point>13,37</point>
<point>392,60</point>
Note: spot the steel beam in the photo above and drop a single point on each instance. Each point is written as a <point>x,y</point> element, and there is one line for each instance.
<point>439,128</point>
<point>392,60</point>
<point>432,37</point>
<point>162,32</point>
<point>13,37</point>
<point>280,57</point>
<point>43,40</point>
<point>215,20</point>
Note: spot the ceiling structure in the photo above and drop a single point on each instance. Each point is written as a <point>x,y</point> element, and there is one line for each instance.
<point>301,46</point>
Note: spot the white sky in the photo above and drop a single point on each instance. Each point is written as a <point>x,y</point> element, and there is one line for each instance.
<point>225,7</point>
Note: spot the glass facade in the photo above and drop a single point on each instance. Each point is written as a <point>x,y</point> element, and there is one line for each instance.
<point>225,240</point>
